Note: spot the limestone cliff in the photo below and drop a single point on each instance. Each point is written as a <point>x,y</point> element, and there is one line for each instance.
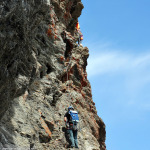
<point>42,72</point>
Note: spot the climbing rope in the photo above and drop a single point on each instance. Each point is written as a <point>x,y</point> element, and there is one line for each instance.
<point>69,64</point>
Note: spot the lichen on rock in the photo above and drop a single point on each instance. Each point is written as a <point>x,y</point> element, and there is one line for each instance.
<point>42,72</point>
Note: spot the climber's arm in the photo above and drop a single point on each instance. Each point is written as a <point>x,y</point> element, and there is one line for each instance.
<point>65,119</point>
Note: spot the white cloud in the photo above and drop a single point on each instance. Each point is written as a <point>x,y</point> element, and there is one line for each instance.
<point>133,67</point>
<point>117,62</point>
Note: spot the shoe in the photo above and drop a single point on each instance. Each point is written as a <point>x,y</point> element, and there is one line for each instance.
<point>77,147</point>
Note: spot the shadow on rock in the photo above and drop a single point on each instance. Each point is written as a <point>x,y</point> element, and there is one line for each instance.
<point>17,64</point>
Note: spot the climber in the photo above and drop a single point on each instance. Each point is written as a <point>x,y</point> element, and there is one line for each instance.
<point>71,118</point>
<point>80,35</point>
<point>77,26</point>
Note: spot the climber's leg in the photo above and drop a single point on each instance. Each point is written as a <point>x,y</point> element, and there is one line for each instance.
<point>71,138</point>
<point>75,132</point>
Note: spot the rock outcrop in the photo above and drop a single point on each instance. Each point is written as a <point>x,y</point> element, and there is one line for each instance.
<point>42,72</point>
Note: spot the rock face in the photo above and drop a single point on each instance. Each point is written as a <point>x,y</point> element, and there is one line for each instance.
<point>42,72</point>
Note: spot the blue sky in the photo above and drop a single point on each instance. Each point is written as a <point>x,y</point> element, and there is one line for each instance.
<point>117,33</point>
